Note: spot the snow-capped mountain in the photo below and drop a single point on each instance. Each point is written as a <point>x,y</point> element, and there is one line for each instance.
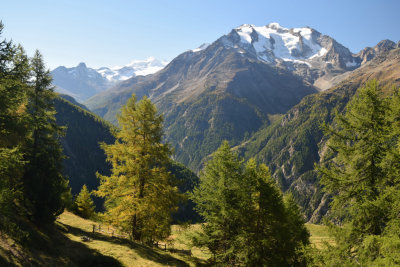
<point>233,86</point>
<point>83,82</point>
<point>135,68</point>
<point>275,43</point>
<point>304,51</point>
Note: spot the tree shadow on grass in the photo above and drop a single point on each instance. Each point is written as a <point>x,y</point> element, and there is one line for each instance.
<point>144,251</point>
<point>49,247</point>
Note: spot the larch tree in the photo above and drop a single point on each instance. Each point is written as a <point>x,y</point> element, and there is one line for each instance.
<point>45,188</point>
<point>139,194</point>
<point>84,205</point>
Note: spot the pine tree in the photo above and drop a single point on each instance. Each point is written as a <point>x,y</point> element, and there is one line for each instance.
<point>247,221</point>
<point>45,188</point>
<point>83,204</point>
<point>139,195</point>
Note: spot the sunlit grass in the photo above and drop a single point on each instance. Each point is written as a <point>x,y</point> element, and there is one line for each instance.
<point>127,252</point>
<point>134,254</point>
<point>319,235</point>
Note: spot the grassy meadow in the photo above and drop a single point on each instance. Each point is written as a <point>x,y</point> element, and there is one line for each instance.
<point>130,253</point>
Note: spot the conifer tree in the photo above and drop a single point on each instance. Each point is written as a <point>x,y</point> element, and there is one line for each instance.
<point>217,202</point>
<point>14,74</point>
<point>356,175</point>
<point>45,188</point>
<point>139,195</point>
<point>246,220</point>
<point>363,179</point>
<point>83,204</point>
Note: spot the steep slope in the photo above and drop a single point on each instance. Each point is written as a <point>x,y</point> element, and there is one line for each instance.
<point>82,82</point>
<point>216,92</point>
<point>73,101</point>
<point>293,144</point>
<point>81,144</point>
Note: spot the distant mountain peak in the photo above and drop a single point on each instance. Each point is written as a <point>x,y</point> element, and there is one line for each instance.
<point>275,25</point>
<point>82,82</point>
<point>144,67</point>
<point>81,65</point>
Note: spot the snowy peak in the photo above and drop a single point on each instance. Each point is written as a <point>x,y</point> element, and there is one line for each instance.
<point>274,42</point>
<point>314,57</point>
<point>83,82</point>
<point>134,68</point>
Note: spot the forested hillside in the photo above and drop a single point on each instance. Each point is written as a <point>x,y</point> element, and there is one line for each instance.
<point>84,156</point>
<point>296,142</point>
<point>81,144</point>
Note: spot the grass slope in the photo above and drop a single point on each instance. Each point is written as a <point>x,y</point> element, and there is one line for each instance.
<point>126,252</point>
<point>61,245</point>
<point>49,246</point>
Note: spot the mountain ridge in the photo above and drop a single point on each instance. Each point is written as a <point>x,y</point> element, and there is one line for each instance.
<point>225,91</point>
<point>82,82</point>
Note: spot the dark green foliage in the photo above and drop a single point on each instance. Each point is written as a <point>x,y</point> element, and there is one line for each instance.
<point>186,181</point>
<point>291,145</point>
<point>45,188</point>
<point>84,157</point>
<point>14,74</point>
<point>247,222</point>
<point>362,177</point>
<point>73,101</point>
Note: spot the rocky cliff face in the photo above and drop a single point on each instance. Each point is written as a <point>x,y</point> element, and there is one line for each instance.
<point>369,53</point>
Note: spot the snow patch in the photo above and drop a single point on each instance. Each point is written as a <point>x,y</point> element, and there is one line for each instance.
<point>351,64</point>
<point>299,62</point>
<point>134,68</point>
<point>244,32</point>
<point>200,48</point>
<point>320,53</point>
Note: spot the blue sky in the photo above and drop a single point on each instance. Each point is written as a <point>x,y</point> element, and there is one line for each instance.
<point>109,33</point>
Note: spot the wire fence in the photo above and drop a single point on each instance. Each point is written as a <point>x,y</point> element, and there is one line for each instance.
<point>167,245</point>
